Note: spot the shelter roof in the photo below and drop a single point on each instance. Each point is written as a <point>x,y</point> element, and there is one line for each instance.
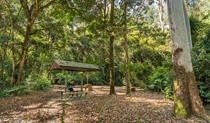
<point>73,66</point>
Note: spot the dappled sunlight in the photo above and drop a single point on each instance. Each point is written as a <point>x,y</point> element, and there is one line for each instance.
<point>120,108</point>
<point>121,94</point>
<point>75,61</point>
<point>156,102</point>
<point>36,107</point>
<point>99,107</point>
<point>33,106</point>
<point>100,90</point>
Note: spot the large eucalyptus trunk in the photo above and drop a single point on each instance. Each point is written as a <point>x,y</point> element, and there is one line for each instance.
<point>128,92</point>
<point>111,46</point>
<point>186,96</point>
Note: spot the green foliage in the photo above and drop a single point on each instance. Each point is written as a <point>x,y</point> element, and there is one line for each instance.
<point>161,80</point>
<point>202,69</point>
<point>204,91</point>
<point>82,35</point>
<point>201,57</point>
<point>74,31</point>
<point>119,75</point>
<point>5,74</point>
<point>61,78</point>
<point>14,91</point>
<point>94,78</point>
<point>104,67</point>
<point>139,73</point>
<point>40,83</point>
<point>142,70</point>
<point>149,52</point>
<point>96,81</point>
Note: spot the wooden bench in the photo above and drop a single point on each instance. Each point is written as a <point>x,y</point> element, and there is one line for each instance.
<point>74,94</point>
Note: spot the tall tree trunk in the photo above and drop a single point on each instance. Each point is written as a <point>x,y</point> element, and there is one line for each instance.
<point>13,66</point>
<point>128,92</point>
<point>105,11</point>
<point>24,52</point>
<point>186,96</point>
<point>111,46</point>
<point>31,15</point>
<point>12,44</point>
<point>161,13</point>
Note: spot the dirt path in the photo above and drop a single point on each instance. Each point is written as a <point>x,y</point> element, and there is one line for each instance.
<point>141,107</point>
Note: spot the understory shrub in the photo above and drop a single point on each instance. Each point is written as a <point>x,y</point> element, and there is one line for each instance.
<point>40,83</point>
<point>201,56</point>
<point>201,65</point>
<point>139,73</point>
<point>15,91</point>
<point>161,80</point>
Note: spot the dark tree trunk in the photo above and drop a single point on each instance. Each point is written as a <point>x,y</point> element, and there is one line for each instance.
<point>128,92</point>
<point>111,46</point>
<point>24,52</point>
<point>12,45</point>
<point>13,66</point>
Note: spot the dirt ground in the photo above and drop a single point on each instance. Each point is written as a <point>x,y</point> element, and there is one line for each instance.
<point>98,107</point>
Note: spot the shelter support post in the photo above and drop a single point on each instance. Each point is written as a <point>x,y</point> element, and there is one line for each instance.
<point>87,78</point>
<point>65,80</point>
<point>82,82</point>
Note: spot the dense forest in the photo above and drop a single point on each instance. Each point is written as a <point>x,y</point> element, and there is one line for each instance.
<point>129,40</point>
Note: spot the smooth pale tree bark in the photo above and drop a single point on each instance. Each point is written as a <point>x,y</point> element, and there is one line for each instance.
<point>161,13</point>
<point>128,92</point>
<point>32,12</point>
<point>111,46</point>
<point>186,96</point>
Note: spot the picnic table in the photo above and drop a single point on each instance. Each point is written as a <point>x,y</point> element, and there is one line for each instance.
<point>78,92</point>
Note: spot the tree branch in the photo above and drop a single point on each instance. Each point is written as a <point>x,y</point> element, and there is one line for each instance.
<point>38,9</point>
<point>25,6</point>
<point>47,5</point>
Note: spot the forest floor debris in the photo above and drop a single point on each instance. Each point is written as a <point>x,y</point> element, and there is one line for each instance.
<point>98,107</point>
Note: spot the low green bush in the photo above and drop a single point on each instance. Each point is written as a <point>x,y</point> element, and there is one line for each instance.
<point>40,83</point>
<point>201,56</point>
<point>15,91</point>
<point>139,73</point>
<point>161,80</point>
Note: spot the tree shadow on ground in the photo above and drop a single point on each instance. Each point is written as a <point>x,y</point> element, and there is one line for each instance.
<point>99,106</point>
<point>141,107</point>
